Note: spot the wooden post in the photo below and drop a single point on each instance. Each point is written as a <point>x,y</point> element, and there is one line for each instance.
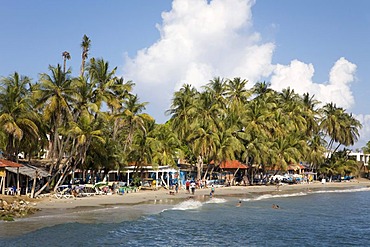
<point>2,185</point>
<point>2,182</point>
<point>156,180</point>
<point>27,185</point>
<point>34,185</point>
<point>18,188</point>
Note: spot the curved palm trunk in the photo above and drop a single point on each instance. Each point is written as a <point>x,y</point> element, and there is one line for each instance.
<point>200,166</point>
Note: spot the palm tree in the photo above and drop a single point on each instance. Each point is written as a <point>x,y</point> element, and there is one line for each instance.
<point>121,93</point>
<point>285,151</point>
<point>342,128</point>
<point>290,103</point>
<point>17,119</point>
<point>316,152</point>
<point>85,45</point>
<point>133,118</point>
<point>103,79</point>
<point>236,90</point>
<point>366,149</point>
<point>339,163</point>
<point>84,131</point>
<point>144,148</point>
<point>66,56</point>
<point>55,95</point>
<point>183,110</point>
<point>310,113</point>
<point>168,150</point>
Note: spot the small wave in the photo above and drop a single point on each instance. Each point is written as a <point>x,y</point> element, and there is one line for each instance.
<point>216,200</point>
<point>341,191</point>
<point>188,205</point>
<point>269,196</point>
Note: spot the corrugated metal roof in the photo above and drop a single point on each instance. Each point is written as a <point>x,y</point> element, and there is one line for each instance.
<point>29,171</point>
<point>8,163</point>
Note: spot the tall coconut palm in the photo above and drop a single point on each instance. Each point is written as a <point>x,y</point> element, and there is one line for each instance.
<point>121,92</point>
<point>84,131</point>
<point>217,87</point>
<point>55,95</point>
<point>311,113</point>
<point>133,118</point>
<point>66,56</point>
<point>144,147</point>
<point>183,110</point>
<point>236,90</point>
<point>342,128</point>
<point>237,94</point>
<point>85,45</point>
<point>290,103</point>
<point>103,79</point>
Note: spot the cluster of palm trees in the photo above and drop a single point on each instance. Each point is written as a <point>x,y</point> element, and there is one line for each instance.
<point>94,121</point>
<point>261,127</point>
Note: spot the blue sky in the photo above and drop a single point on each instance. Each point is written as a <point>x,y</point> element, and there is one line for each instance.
<point>315,46</point>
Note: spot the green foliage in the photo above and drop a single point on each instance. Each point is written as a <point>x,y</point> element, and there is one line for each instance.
<point>96,121</point>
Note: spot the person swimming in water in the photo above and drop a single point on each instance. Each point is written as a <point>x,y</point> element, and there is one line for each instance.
<point>275,206</point>
<point>239,203</point>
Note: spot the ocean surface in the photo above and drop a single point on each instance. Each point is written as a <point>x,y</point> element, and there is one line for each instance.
<point>308,218</point>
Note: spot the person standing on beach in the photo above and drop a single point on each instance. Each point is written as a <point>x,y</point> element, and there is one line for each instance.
<point>192,187</point>
<point>187,184</point>
<point>177,187</point>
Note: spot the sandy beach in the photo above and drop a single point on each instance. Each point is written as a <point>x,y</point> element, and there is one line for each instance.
<point>164,195</point>
<point>131,206</point>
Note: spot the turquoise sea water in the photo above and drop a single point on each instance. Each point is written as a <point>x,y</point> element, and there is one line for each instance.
<point>309,218</point>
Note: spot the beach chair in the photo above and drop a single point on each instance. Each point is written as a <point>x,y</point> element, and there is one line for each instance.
<point>10,191</point>
<point>88,190</point>
<point>100,188</point>
<point>63,191</point>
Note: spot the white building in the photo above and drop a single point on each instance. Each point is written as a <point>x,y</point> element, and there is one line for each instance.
<point>361,157</point>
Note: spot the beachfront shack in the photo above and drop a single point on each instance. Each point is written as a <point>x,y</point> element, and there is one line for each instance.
<point>234,171</point>
<point>5,177</point>
<point>296,169</point>
<point>28,178</point>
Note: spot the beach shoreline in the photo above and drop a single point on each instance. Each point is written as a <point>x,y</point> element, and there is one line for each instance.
<point>144,196</point>
<point>131,206</point>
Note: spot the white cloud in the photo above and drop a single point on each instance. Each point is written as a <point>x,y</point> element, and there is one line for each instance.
<point>199,40</point>
<point>298,76</point>
<point>202,39</point>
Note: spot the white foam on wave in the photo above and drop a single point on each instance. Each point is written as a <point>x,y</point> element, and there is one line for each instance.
<point>216,200</point>
<point>341,191</point>
<point>269,196</point>
<point>188,205</point>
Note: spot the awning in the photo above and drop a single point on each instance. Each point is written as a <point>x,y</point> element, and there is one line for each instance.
<point>29,171</point>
